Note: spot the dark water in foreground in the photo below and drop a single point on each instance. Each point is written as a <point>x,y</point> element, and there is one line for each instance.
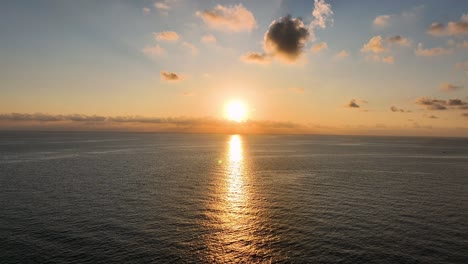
<point>167,198</point>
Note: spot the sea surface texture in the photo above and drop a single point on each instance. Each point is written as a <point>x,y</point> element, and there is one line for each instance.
<point>77,197</point>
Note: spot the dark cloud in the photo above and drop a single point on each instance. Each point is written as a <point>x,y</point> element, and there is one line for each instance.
<point>286,38</point>
<point>456,102</point>
<point>400,40</point>
<point>465,114</point>
<point>396,109</point>
<point>440,104</point>
<point>170,76</point>
<point>432,117</point>
<point>353,104</point>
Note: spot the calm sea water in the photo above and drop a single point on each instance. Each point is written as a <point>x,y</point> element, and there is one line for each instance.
<point>175,198</point>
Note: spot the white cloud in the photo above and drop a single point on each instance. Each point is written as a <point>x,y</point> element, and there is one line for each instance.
<point>235,18</point>
<point>167,36</point>
<point>316,48</point>
<point>382,21</point>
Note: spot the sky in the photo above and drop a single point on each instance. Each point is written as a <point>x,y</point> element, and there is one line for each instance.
<point>326,67</point>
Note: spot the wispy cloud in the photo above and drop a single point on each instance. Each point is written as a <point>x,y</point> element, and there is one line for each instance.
<point>438,51</point>
<point>190,47</point>
<point>318,47</point>
<point>162,5</point>
<point>235,18</point>
<point>146,10</point>
<point>449,87</point>
<point>167,36</point>
<point>342,54</point>
<point>254,57</point>
<point>154,50</point>
<point>208,38</point>
<point>322,13</point>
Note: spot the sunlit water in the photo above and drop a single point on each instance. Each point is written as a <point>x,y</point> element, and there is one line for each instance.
<point>168,198</point>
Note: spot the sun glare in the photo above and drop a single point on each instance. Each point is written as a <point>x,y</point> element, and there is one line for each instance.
<point>236,111</point>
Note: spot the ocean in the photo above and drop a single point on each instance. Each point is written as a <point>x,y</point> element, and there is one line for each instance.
<point>82,197</point>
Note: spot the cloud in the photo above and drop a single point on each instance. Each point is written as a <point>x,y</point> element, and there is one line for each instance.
<point>420,51</point>
<point>167,36</point>
<point>286,38</point>
<point>146,10</point>
<point>208,38</point>
<point>374,45</point>
<point>318,47</point>
<point>462,66</point>
<point>382,21</point>
<point>441,104</point>
<point>353,104</point>
<point>322,13</point>
<point>163,6</point>
<point>297,90</point>
<point>407,16</point>
<point>452,28</point>
<point>191,48</point>
<point>170,76</point>
<point>464,114</point>
<point>254,57</point>
<point>399,40</point>
<point>432,117</point>
<point>431,104</point>
<point>235,18</point>
<point>448,87</point>
<point>154,51</point>
<point>396,109</point>
<point>342,54</point>
<point>378,45</point>
<point>141,123</point>
<point>388,59</point>
<point>51,118</point>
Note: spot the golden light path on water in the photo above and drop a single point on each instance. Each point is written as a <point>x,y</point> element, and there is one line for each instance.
<point>236,219</point>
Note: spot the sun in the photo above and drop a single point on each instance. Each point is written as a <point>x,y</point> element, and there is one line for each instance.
<point>236,111</point>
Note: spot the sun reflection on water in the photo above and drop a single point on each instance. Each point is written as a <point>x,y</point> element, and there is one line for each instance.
<point>235,181</point>
<point>235,217</point>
